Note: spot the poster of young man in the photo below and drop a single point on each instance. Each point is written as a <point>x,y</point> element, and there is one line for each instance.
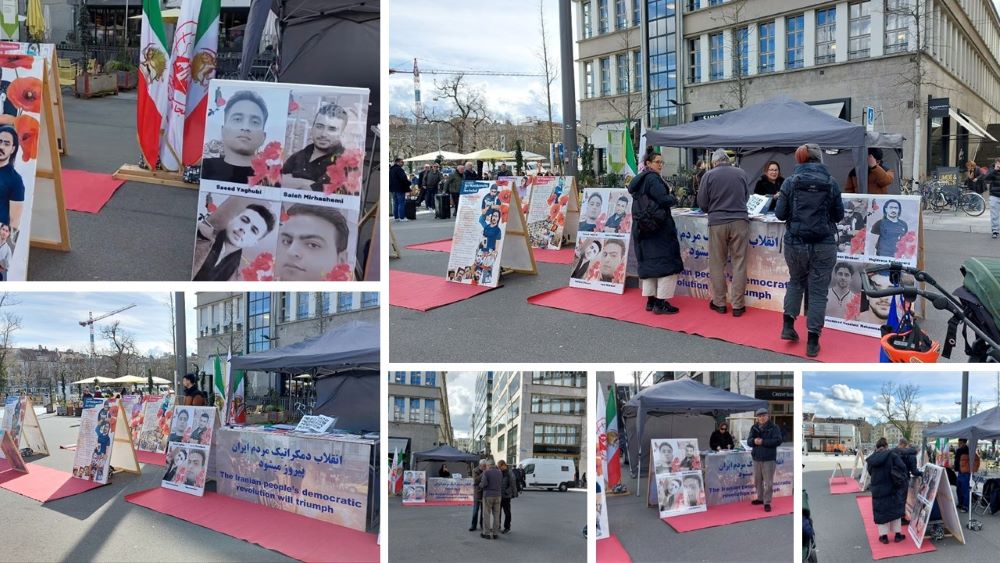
<point>132,410</point>
<point>891,231</point>
<point>156,414</point>
<point>20,127</point>
<point>188,448</point>
<point>281,191</point>
<point>676,455</point>
<point>92,461</point>
<point>13,416</point>
<point>547,210</point>
<point>477,243</point>
<point>192,425</point>
<point>849,309</point>
<point>681,493</point>
<point>414,487</point>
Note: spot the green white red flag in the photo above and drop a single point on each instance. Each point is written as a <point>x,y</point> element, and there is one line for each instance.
<point>613,455</point>
<point>180,78</point>
<point>220,382</point>
<point>203,65</point>
<point>237,404</point>
<point>153,59</point>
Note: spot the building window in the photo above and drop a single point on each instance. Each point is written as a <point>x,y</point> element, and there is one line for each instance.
<point>259,321</point>
<point>621,64</point>
<point>637,70</point>
<point>897,26</point>
<point>719,379</point>
<point>400,377</point>
<point>414,378</point>
<point>658,9</point>
<point>430,411</point>
<point>716,54</point>
<point>826,38</point>
<point>560,378</point>
<point>588,72</point>
<point>765,49</point>
<point>621,15</point>
<point>369,299</point>
<point>602,16</point>
<point>588,30</point>
<point>550,404</point>
<point>636,12</point>
<point>285,312</point>
<point>694,60</point>
<point>557,434</point>
<point>741,51</point>
<point>345,301</point>
<point>859,30</point>
<point>324,303</point>
<point>794,47</point>
<point>301,305</point>
<point>430,379</point>
<point>398,409</point>
<point>414,410</point>
<point>605,76</point>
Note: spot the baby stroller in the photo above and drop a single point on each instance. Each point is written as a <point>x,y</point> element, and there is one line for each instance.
<point>975,307</point>
<point>808,534</point>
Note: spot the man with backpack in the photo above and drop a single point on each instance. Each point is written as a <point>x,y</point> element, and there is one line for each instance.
<point>810,204</point>
<point>723,195</point>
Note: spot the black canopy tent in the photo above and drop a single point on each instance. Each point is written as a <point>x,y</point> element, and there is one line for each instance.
<point>982,426</point>
<point>344,362</point>
<point>681,397</point>
<point>431,460</point>
<point>777,123</point>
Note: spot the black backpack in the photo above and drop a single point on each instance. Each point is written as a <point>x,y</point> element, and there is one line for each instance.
<point>647,215</point>
<point>900,477</point>
<point>810,204</point>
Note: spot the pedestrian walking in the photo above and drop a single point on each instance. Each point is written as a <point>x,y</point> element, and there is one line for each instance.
<point>810,204</point>
<point>508,491</point>
<point>888,486</point>
<point>723,194</point>
<point>429,185</point>
<point>477,505</point>
<point>764,439</point>
<point>992,182</point>
<point>491,482</point>
<point>657,248</point>
<point>399,186</point>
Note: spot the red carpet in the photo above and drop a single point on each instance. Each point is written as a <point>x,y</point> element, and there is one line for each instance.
<point>442,503</point>
<point>44,484</point>
<point>725,514</point>
<point>151,458</point>
<point>88,191</point>
<point>421,292</point>
<point>296,536</point>
<point>892,549</point>
<point>610,550</point>
<point>843,486</point>
<point>561,256</point>
<point>756,328</point>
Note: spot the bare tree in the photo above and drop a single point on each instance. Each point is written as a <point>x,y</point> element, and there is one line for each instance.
<point>549,67</point>
<point>468,109</point>
<point>629,105</point>
<point>10,322</point>
<point>121,346</point>
<point>898,405</point>
<point>740,80</point>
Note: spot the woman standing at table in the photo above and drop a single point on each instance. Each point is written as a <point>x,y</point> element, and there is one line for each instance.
<point>888,485</point>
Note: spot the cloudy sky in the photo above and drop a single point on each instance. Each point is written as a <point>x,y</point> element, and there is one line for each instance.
<point>463,35</point>
<point>854,394</point>
<point>52,320</point>
<point>461,400</point>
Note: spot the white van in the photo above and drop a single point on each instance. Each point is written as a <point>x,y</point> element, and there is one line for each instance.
<point>548,473</point>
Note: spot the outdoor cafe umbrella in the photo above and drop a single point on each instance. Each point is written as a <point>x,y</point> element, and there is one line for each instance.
<point>445,155</point>
<point>160,381</point>
<point>487,154</point>
<point>128,379</point>
<point>526,156</point>
<point>90,380</point>
<point>35,21</point>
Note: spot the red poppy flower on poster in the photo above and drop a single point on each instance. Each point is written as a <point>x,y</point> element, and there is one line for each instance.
<point>626,225</point>
<point>553,211</point>
<point>344,175</point>
<point>340,272</point>
<point>260,269</point>
<point>267,166</point>
<point>907,246</point>
<point>600,222</point>
<point>211,207</point>
<point>504,196</point>
<point>619,276</point>
<point>551,200</point>
<point>504,211</point>
<point>292,104</point>
<point>563,200</point>
<point>858,242</point>
<point>26,94</point>
<point>561,219</point>
<point>27,136</point>
<point>853,307</point>
<point>16,61</point>
<point>284,215</point>
<point>594,271</point>
<point>503,183</point>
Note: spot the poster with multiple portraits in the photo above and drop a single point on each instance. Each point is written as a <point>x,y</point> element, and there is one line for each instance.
<point>680,487</point>
<point>414,487</point>
<point>14,410</point>
<point>19,419</point>
<point>188,447</point>
<point>281,192</point>
<point>604,236</point>
<point>157,410</point>
<point>875,230</point>
<point>480,229</point>
<point>132,410</point>
<point>920,498</point>
<point>98,422</point>
<point>552,199</point>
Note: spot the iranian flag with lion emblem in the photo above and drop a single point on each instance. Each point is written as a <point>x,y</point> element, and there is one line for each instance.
<point>153,57</point>
<point>203,65</point>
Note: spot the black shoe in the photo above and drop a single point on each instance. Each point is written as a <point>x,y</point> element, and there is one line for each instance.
<point>757,502</point>
<point>812,345</point>
<point>473,529</point>
<point>767,507</point>
<point>883,539</point>
<point>739,312</point>
<point>995,235</point>
<point>899,537</point>
<point>650,302</point>
<point>663,307</point>
<point>788,329</point>
<point>485,536</point>
<point>718,309</point>
<point>904,522</point>
<point>505,530</point>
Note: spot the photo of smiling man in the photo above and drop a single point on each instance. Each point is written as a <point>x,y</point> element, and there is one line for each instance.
<point>312,244</point>
<point>232,232</point>
<point>306,169</point>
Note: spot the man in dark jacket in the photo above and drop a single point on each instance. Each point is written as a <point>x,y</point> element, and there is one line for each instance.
<point>963,474</point>
<point>491,481</point>
<point>992,182</point>
<point>764,439</point>
<point>453,185</point>
<point>723,194</point>
<point>508,490</point>
<point>909,457</point>
<point>470,174</point>
<point>888,495</point>
<point>810,203</point>
<point>503,171</point>
<point>429,184</point>
<point>399,186</point>
<point>477,505</point>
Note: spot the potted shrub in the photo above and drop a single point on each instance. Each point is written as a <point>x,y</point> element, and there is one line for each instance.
<point>126,73</point>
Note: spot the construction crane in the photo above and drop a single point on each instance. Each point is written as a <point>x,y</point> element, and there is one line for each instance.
<point>90,321</point>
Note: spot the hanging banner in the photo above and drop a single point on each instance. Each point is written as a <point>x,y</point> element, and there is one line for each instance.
<point>551,209</point>
<point>318,476</point>
<point>188,447</point>
<point>729,476</point>
<point>604,239</point>
<point>441,489</point>
<point>281,195</point>
<point>414,487</point>
<point>156,414</point>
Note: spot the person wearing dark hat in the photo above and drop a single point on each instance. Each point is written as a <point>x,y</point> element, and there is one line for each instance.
<point>764,439</point>
<point>879,179</point>
<point>810,204</point>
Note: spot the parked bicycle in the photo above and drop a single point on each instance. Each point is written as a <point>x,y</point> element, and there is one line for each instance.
<point>940,197</point>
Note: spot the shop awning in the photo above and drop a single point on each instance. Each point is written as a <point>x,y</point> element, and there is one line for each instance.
<point>971,126</point>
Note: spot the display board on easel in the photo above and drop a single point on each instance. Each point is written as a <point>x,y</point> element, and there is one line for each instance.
<point>858,460</point>
<point>21,422</point>
<point>930,488</point>
<point>393,243</point>
<point>838,469</point>
<point>104,442</point>
<point>552,210</point>
<point>10,452</point>
<point>373,263</point>
<point>46,51</point>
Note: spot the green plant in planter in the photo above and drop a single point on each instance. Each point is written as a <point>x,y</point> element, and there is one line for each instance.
<point>121,65</point>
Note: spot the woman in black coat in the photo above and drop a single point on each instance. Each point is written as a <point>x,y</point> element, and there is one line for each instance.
<point>770,183</point>
<point>888,496</point>
<point>658,253</point>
